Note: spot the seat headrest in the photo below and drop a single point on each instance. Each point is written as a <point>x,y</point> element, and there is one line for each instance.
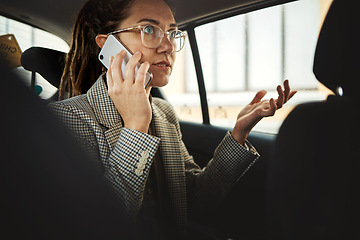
<point>337,56</point>
<point>48,63</point>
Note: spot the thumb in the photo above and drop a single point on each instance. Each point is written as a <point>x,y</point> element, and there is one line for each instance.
<point>259,95</point>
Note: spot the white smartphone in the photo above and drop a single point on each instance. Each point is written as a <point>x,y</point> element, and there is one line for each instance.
<point>112,47</point>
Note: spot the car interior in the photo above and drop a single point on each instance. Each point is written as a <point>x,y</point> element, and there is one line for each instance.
<point>302,187</point>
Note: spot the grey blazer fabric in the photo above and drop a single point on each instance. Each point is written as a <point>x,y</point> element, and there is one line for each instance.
<point>125,155</point>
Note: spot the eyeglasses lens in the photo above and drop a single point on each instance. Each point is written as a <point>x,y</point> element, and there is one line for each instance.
<point>153,35</point>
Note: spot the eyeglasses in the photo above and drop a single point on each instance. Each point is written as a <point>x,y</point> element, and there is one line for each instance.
<point>151,36</point>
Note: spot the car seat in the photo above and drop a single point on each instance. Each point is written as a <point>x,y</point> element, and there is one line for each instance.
<point>50,188</point>
<point>49,63</point>
<point>313,176</point>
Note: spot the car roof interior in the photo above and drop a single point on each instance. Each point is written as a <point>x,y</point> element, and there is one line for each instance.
<point>58,17</point>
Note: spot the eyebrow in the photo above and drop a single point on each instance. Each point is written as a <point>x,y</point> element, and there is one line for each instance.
<point>153,21</point>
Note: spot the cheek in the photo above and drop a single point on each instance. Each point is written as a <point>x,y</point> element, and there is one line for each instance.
<point>147,54</point>
<point>132,42</point>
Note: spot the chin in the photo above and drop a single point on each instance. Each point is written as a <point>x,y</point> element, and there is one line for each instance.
<point>159,82</point>
<point>160,77</point>
<point>155,83</point>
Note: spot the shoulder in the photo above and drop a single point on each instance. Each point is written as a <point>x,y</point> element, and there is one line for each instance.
<point>71,105</point>
<point>75,110</point>
<point>77,115</point>
<point>74,102</point>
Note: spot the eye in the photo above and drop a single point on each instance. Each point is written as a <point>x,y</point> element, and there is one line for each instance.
<point>149,30</point>
<point>175,34</point>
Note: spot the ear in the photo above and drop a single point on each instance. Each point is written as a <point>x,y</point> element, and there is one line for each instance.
<point>100,39</point>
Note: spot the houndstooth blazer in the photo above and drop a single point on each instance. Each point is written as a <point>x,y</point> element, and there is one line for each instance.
<point>125,155</point>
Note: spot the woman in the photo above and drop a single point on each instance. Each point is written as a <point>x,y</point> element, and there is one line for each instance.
<point>136,140</point>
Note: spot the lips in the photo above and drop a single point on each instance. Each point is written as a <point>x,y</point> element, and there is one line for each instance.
<point>165,64</point>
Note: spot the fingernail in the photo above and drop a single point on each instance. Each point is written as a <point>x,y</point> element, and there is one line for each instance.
<point>111,58</point>
<point>137,53</point>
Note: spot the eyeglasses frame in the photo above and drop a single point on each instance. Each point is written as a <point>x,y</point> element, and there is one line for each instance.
<point>142,27</point>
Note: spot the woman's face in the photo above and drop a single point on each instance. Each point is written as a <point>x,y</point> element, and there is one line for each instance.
<point>155,12</point>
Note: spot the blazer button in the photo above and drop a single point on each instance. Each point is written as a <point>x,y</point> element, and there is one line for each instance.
<point>145,154</point>
<point>141,167</point>
<point>138,172</point>
<point>143,160</point>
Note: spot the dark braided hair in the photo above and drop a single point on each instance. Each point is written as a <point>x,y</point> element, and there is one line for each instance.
<point>82,67</point>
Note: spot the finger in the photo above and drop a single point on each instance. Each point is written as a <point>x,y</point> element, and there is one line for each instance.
<point>130,68</point>
<point>116,72</point>
<point>141,74</point>
<point>272,108</point>
<point>292,93</point>
<point>259,95</point>
<point>281,97</point>
<point>109,78</point>
<point>287,90</point>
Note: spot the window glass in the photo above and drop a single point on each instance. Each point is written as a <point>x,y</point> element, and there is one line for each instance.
<point>27,37</point>
<point>259,50</point>
<point>182,89</point>
<point>264,46</point>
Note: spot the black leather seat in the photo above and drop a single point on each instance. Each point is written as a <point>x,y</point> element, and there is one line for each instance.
<point>49,63</point>
<point>314,175</point>
<point>50,189</point>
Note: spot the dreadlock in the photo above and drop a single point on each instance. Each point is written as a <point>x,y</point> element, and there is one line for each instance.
<point>82,67</point>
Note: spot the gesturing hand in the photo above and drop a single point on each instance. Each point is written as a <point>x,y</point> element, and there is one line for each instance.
<point>252,113</point>
<point>130,96</point>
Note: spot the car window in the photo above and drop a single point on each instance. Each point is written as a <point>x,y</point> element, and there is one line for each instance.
<point>28,36</point>
<point>250,52</point>
<point>182,89</point>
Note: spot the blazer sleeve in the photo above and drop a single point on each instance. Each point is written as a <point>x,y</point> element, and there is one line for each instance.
<point>125,165</point>
<point>128,166</point>
<point>208,186</point>
<point>211,184</point>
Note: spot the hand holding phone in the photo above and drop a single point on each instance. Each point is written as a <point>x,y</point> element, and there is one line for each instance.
<point>112,47</point>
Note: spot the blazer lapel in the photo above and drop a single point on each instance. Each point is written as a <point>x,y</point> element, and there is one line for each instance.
<point>107,116</point>
<point>174,165</point>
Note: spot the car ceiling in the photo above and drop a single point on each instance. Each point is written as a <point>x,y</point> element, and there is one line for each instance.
<point>57,17</point>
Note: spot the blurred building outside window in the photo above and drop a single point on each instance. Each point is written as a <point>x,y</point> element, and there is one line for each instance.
<point>247,53</point>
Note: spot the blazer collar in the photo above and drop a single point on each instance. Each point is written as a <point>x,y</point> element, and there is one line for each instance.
<point>104,108</point>
<point>107,115</point>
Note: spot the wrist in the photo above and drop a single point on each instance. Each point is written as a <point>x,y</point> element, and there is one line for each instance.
<point>138,126</point>
<point>142,129</point>
<point>240,138</point>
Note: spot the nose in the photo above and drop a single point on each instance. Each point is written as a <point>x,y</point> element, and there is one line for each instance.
<point>166,46</point>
